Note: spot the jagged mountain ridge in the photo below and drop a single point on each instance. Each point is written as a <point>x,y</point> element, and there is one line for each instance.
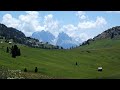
<point>112,33</point>
<point>62,39</point>
<point>44,36</point>
<point>65,41</point>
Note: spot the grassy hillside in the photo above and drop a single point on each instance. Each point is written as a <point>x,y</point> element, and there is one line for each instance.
<point>61,63</point>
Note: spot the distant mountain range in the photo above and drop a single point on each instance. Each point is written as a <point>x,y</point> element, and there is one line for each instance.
<point>65,41</point>
<point>62,40</point>
<point>37,38</point>
<point>44,36</point>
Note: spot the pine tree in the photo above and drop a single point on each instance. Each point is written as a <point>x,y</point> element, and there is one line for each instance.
<point>61,47</point>
<point>76,63</point>
<point>57,47</point>
<point>7,50</point>
<point>15,51</point>
<point>25,70</point>
<point>36,69</point>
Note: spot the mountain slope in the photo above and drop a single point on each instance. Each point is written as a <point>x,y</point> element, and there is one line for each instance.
<point>65,41</point>
<point>19,37</point>
<point>62,63</point>
<point>112,33</point>
<point>44,36</point>
<point>62,40</point>
<point>12,33</point>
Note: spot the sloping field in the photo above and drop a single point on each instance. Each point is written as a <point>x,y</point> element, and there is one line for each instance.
<point>62,63</point>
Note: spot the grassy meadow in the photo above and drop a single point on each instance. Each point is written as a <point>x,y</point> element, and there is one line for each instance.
<point>61,64</point>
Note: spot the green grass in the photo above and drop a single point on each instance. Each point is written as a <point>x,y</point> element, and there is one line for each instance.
<point>61,63</point>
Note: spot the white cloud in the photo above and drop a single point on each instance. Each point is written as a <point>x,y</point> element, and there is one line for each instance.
<point>79,32</point>
<point>75,33</point>
<point>33,13</point>
<point>28,23</point>
<point>32,20</point>
<point>86,24</point>
<point>10,21</point>
<point>78,38</point>
<point>51,25</point>
<point>84,37</point>
<point>29,17</point>
<point>48,18</point>
<point>70,27</point>
<point>81,15</point>
<point>100,21</point>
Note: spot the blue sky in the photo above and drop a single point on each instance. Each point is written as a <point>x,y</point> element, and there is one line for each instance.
<point>80,25</point>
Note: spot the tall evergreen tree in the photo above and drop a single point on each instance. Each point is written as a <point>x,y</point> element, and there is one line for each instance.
<point>76,63</point>
<point>7,50</point>
<point>36,69</point>
<point>57,47</point>
<point>61,47</point>
<point>15,51</point>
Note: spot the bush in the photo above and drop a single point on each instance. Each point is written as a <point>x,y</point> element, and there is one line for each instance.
<point>36,69</point>
<point>25,70</point>
<point>88,51</point>
<point>76,63</point>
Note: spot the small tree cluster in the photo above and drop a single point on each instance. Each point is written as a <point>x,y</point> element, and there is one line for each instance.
<point>36,69</point>
<point>15,51</point>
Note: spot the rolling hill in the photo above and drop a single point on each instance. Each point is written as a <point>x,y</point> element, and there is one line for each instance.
<point>61,64</point>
